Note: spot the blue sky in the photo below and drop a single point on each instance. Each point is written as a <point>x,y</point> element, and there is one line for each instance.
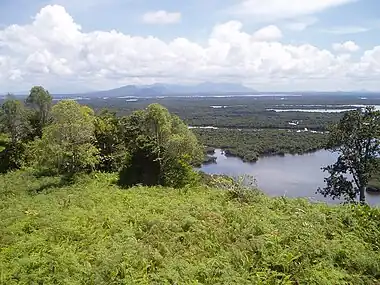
<point>314,44</point>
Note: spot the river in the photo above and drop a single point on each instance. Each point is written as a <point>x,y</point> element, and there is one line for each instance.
<point>289,175</point>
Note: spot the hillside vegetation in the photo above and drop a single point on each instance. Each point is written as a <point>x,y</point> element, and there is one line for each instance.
<point>93,232</point>
<point>74,211</point>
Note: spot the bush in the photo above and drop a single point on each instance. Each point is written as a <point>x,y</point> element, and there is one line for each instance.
<point>180,174</point>
<point>12,157</point>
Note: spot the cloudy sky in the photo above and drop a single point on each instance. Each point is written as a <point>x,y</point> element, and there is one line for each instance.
<point>270,45</point>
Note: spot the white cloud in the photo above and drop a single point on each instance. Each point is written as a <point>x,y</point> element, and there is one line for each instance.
<point>55,52</point>
<point>348,46</point>
<point>161,17</point>
<point>346,30</point>
<point>268,33</point>
<point>270,10</point>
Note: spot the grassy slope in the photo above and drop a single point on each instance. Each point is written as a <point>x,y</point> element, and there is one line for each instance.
<point>95,233</point>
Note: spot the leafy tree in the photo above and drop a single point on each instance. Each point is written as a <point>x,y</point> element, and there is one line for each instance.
<point>13,120</point>
<point>41,100</point>
<point>356,139</point>
<point>109,142</point>
<point>158,143</point>
<point>66,145</point>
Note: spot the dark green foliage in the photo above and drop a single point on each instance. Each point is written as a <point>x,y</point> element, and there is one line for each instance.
<point>141,166</point>
<point>244,112</point>
<point>4,140</point>
<point>92,232</point>
<point>13,120</point>
<point>251,144</point>
<point>12,157</point>
<point>109,142</point>
<point>374,181</point>
<point>161,149</point>
<point>15,126</point>
<point>356,139</point>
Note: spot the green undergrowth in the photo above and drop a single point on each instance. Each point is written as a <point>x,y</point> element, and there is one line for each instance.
<point>3,141</point>
<point>92,232</point>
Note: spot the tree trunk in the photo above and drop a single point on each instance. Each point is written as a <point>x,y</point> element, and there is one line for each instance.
<point>362,190</point>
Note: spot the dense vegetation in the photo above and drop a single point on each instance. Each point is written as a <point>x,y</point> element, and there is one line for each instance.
<point>92,232</point>
<point>251,144</point>
<point>66,217</point>
<point>242,112</point>
<point>3,141</point>
<point>149,147</point>
<point>245,113</point>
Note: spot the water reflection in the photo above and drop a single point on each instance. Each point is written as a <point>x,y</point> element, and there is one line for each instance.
<point>289,175</point>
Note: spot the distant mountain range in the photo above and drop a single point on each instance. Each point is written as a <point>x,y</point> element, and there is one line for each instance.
<point>206,88</point>
<point>171,89</point>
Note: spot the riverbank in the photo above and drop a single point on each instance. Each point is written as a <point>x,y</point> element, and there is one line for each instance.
<point>286,176</point>
<point>94,232</point>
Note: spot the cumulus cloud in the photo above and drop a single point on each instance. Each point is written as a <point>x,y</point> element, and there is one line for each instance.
<point>55,52</point>
<point>161,17</point>
<point>270,10</point>
<point>268,33</point>
<point>348,46</point>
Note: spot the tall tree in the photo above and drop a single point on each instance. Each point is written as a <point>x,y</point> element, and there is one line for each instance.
<point>13,119</point>
<point>109,141</point>
<point>67,144</point>
<point>41,100</point>
<point>160,146</point>
<point>356,139</point>
<point>13,122</point>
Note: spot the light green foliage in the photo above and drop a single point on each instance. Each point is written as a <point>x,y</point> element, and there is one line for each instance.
<point>41,101</point>
<point>94,233</point>
<point>4,140</point>
<point>172,136</point>
<point>67,144</point>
